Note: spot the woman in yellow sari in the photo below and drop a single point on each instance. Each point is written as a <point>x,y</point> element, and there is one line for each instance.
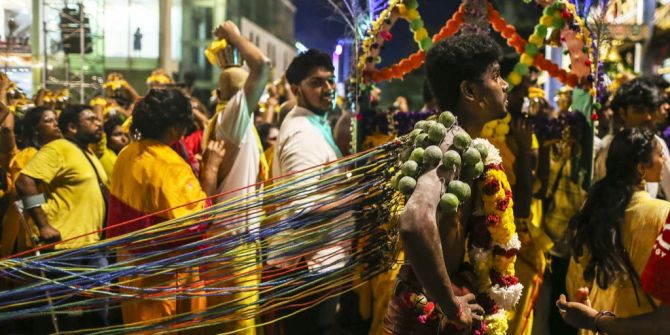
<point>613,234</point>
<point>150,177</point>
<point>38,127</point>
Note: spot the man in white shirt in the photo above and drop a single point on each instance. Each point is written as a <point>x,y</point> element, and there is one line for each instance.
<point>636,104</point>
<point>305,140</point>
<point>241,168</point>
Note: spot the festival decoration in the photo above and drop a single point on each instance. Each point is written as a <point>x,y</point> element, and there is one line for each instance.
<point>555,17</point>
<point>414,61</point>
<point>494,243</point>
<point>378,33</point>
<point>559,23</point>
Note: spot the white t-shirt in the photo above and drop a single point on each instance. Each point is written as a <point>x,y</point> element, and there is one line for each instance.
<point>234,126</point>
<point>300,145</point>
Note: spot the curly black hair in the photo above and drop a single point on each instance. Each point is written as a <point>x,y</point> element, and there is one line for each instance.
<point>159,110</point>
<point>457,59</point>
<point>26,128</point>
<point>641,92</point>
<point>111,123</point>
<point>302,64</point>
<point>70,114</point>
<point>596,229</point>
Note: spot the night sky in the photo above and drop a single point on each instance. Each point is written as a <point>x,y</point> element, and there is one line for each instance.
<point>318,26</point>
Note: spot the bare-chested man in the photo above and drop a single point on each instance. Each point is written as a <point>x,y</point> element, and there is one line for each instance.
<point>464,76</point>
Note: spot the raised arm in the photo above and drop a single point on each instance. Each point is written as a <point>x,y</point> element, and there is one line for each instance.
<point>259,65</point>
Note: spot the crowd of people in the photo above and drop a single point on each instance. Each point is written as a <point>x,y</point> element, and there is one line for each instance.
<point>596,230</point>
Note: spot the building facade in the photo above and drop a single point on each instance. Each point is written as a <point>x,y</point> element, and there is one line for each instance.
<point>134,37</point>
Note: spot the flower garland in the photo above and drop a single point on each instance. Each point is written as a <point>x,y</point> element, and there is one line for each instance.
<point>415,60</point>
<point>555,16</point>
<point>408,11</point>
<point>378,33</point>
<point>495,245</point>
<point>497,129</point>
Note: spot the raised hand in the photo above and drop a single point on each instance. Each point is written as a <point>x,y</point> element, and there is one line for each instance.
<point>577,314</point>
<point>227,31</point>
<point>213,155</point>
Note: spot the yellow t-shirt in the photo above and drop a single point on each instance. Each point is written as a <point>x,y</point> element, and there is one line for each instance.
<point>108,159</point>
<point>75,205</point>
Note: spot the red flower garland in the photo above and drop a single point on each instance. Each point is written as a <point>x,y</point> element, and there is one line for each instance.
<point>519,44</point>
<point>415,60</point>
<point>499,24</point>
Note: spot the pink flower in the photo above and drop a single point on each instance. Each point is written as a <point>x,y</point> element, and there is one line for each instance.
<point>423,319</point>
<point>429,308</point>
<point>492,220</point>
<point>386,35</point>
<point>503,204</point>
<point>481,330</point>
<point>507,281</point>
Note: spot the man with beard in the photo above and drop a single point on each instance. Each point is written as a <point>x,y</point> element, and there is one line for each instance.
<point>61,188</point>
<point>464,75</point>
<point>306,140</point>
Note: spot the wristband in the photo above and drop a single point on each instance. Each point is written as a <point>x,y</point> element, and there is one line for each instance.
<point>33,201</point>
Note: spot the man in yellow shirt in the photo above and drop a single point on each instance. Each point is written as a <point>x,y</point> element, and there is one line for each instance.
<point>61,189</point>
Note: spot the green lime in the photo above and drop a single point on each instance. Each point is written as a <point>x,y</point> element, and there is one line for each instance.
<point>447,119</point>
<point>436,133</point>
<point>459,189</point>
<point>471,156</point>
<point>451,159</point>
<point>405,154</point>
<point>462,140</point>
<point>410,168</point>
<point>483,150</point>
<point>414,133</point>
<point>417,155</point>
<point>406,185</point>
<point>421,140</point>
<point>421,125</point>
<point>449,203</point>
<point>479,169</point>
<point>470,172</point>
<point>432,156</point>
